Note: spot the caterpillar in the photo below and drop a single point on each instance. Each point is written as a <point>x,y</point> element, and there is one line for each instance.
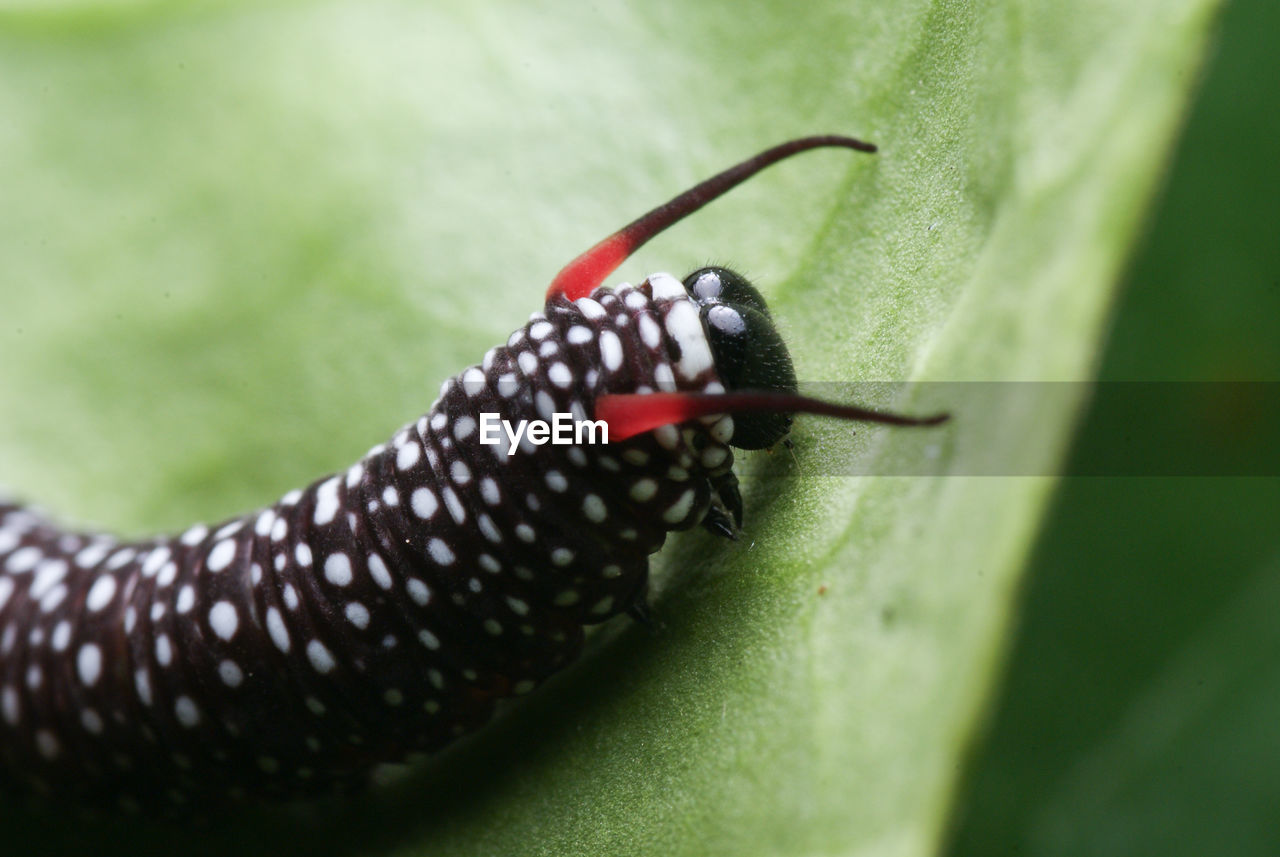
<point>385,609</point>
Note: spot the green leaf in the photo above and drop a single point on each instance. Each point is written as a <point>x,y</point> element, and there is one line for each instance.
<point>242,245</point>
<point>1138,712</point>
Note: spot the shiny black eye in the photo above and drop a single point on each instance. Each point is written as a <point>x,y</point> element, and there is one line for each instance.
<point>750,355</point>
<point>721,285</point>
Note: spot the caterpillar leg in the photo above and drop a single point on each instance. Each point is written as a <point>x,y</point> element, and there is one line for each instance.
<point>638,609</point>
<point>727,502</point>
<point>720,523</point>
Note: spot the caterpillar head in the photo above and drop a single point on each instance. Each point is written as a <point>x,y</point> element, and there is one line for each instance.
<point>749,352</point>
<point>750,357</point>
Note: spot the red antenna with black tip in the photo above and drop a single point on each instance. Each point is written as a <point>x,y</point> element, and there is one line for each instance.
<point>581,276</point>
<point>630,414</point>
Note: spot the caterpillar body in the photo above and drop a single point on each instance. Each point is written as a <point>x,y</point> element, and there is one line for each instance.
<point>384,610</point>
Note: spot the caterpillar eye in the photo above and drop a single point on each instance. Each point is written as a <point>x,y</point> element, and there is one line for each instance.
<point>750,355</point>
<point>721,285</point>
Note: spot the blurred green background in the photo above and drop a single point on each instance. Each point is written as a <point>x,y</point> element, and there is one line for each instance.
<point>1141,709</point>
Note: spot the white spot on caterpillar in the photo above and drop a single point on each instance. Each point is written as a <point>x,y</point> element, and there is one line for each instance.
<point>164,650</point>
<point>643,490</point>
<point>440,551</point>
<point>229,529</point>
<point>424,503</point>
<point>454,505</point>
<point>23,559</point>
<point>489,491</point>
<point>320,657</point>
<point>546,409</point>
<point>579,335</point>
<point>186,599</point>
<point>92,555</point>
<point>464,427</point>
<point>224,620</point>
<point>221,555</point>
<point>326,501</point>
<point>337,569</point>
<point>666,287</point>
<point>184,708</point>
<point>47,744</point>
<point>713,456</point>
<point>418,591</point>
<point>51,601</point>
<point>668,437</point>
<point>49,573</point>
<point>230,673</point>
<point>488,528</point>
<point>61,637</point>
<point>473,381</point>
<point>194,536</point>
<point>685,327</point>
<point>101,593</point>
<point>428,639</point>
<point>302,553</point>
<point>378,571</point>
<point>168,574</point>
<point>593,507</point>
<point>275,627</point>
<point>89,664</point>
<point>556,482</point>
<point>610,350</point>
<point>408,456</point>
<point>679,510</point>
<point>354,474</point>
<point>155,560</point>
<point>589,308</point>
<point>559,374</point>
<point>91,722</point>
<point>650,333</point>
<point>664,378</point>
<point>142,683</point>
<point>357,614</point>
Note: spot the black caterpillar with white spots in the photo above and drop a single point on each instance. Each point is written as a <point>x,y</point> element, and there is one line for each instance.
<point>385,610</point>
